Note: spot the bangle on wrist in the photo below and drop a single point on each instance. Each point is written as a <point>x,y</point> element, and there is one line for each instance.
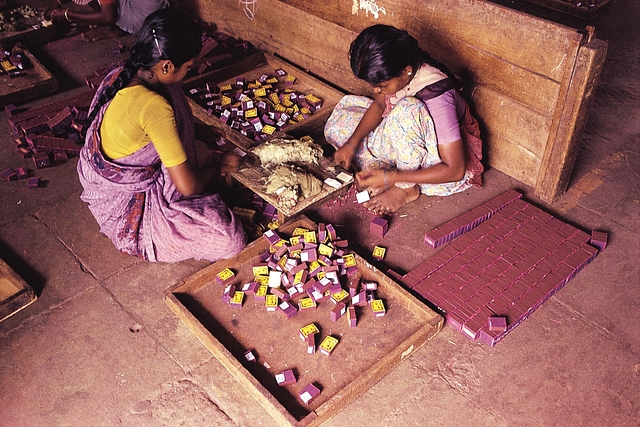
<point>384,178</point>
<point>355,147</point>
<point>66,14</point>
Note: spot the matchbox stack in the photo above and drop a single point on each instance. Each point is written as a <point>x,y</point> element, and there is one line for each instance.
<point>508,257</point>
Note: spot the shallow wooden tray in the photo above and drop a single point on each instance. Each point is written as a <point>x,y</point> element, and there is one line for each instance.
<point>36,81</point>
<point>255,66</point>
<point>363,356</point>
<point>15,293</point>
<point>254,177</point>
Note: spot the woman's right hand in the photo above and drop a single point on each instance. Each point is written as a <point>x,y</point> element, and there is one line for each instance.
<point>344,155</point>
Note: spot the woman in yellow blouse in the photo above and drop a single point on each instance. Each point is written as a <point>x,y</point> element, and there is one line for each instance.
<point>139,168</point>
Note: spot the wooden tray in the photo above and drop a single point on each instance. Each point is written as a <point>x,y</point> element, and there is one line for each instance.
<point>254,177</point>
<point>15,293</point>
<point>31,37</point>
<point>36,81</point>
<point>254,66</point>
<point>363,356</point>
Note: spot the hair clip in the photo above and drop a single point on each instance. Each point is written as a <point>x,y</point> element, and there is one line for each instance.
<point>155,38</point>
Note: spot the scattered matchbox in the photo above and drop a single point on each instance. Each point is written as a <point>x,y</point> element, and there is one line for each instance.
<point>307,303</point>
<point>22,173</point>
<point>497,323</point>
<point>378,227</point>
<point>309,393</point>
<point>271,302</point>
<point>289,310</point>
<point>41,160</point>
<point>363,196</point>
<point>311,328</point>
<point>228,293</point>
<point>286,377</point>
<point>250,288</point>
<point>378,307</point>
<point>34,183</point>
<point>250,356</point>
<point>351,317</point>
<point>310,340</point>
<point>9,174</point>
<point>338,311</point>
<point>328,345</point>
<point>238,298</point>
<point>378,253</point>
<point>225,276</point>
<point>360,299</point>
<point>370,286</point>
<point>599,240</point>
<point>345,177</point>
<point>334,183</point>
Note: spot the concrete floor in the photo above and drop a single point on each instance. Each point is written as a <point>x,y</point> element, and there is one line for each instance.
<point>100,347</point>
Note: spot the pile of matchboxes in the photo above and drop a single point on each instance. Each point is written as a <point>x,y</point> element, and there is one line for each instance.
<point>297,274</point>
<point>48,134</point>
<point>501,261</point>
<point>257,108</point>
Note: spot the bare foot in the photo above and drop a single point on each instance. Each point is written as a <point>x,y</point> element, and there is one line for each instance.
<point>392,199</point>
<point>101,32</point>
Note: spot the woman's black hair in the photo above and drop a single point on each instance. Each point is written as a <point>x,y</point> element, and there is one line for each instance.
<point>165,34</point>
<point>382,52</point>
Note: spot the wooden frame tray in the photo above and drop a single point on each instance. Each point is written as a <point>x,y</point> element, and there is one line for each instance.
<point>15,293</point>
<point>254,177</point>
<point>254,66</point>
<point>363,356</point>
<point>36,81</point>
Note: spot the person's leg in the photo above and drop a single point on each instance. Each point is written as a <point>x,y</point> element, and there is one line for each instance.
<point>405,140</point>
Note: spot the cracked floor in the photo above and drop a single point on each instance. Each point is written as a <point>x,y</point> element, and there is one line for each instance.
<point>101,348</point>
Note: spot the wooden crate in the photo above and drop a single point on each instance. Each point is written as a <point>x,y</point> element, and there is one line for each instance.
<point>568,8</point>
<point>252,68</point>
<point>15,293</point>
<point>36,81</point>
<point>363,356</point>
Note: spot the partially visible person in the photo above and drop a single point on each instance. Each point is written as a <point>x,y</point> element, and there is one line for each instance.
<point>139,167</point>
<point>109,18</point>
<point>416,135</point>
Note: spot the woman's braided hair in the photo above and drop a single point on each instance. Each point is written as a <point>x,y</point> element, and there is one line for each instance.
<point>165,34</point>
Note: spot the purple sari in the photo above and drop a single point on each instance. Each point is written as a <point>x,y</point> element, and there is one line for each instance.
<point>139,208</point>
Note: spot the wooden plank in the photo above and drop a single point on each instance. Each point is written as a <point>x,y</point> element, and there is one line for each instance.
<point>315,44</point>
<point>555,171</point>
<point>477,67</point>
<point>358,362</point>
<point>506,33</point>
<point>511,120</point>
<point>36,81</point>
<point>512,159</point>
<point>15,293</point>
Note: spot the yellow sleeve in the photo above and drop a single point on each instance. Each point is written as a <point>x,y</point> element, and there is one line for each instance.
<point>159,123</point>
